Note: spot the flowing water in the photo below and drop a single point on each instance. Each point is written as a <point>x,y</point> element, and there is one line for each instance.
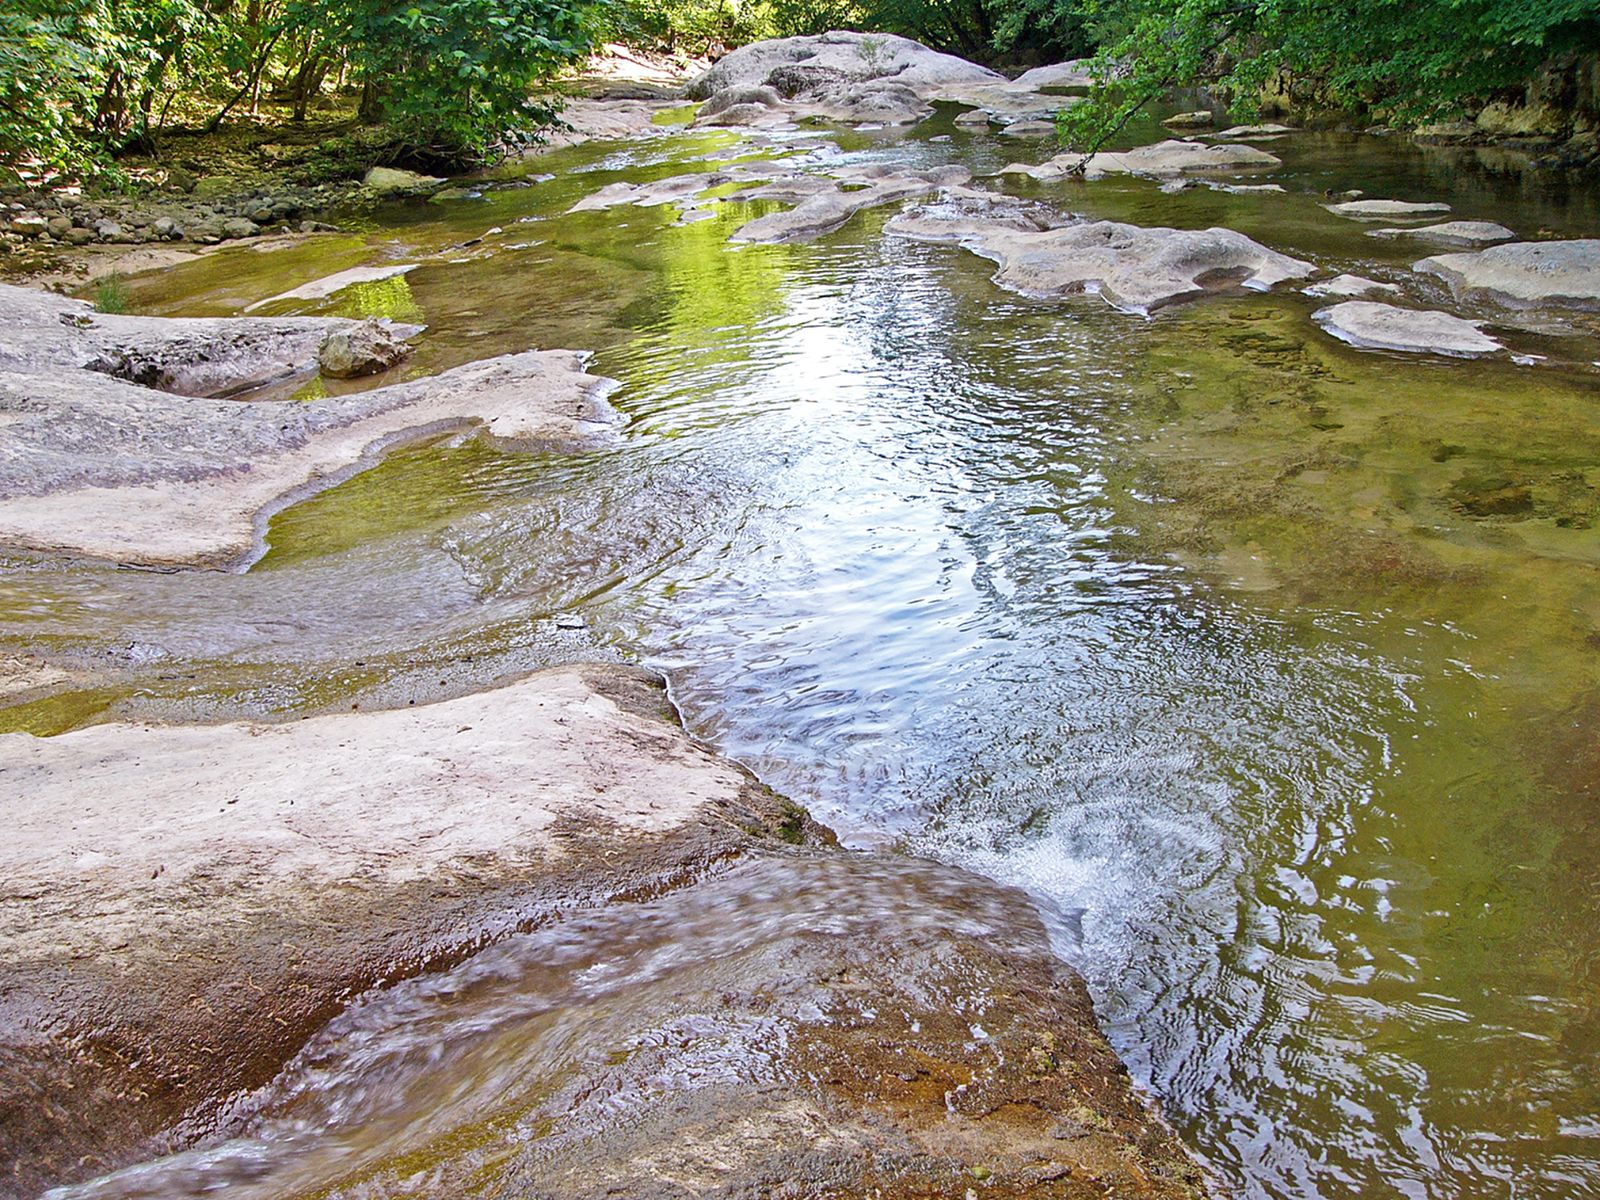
<point>1270,668</point>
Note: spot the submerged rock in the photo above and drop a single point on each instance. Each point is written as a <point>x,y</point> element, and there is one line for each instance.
<point>1525,274</point>
<point>605,956</point>
<point>1377,210</point>
<point>113,449</point>
<point>329,285</point>
<point>1132,268</point>
<point>1452,233</point>
<point>1351,287</point>
<point>1371,326</point>
<point>1162,160</point>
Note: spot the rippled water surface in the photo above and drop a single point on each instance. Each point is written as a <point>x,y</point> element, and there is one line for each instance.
<point>1270,668</point>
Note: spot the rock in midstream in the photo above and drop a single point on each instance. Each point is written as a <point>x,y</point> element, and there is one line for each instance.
<point>1451,233</point>
<point>115,449</point>
<point>857,78</point>
<point>1164,160</point>
<point>564,950</point>
<point>1371,326</point>
<point>1133,268</point>
<point>825,211</point>
<point>1525,274</point>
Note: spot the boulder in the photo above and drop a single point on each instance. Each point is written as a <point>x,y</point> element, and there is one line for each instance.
<point>1199,119</point>
<point>1133,268</point>
<point>1525,274</point>
<point>762,95</point>
<point>239,227</point>
<point>1063,75</point>
<point>391,181</point>
<point>1029,129</point>
<point>847,57</point>
<point>1379,210</point>
<point>1371,326</point>
<point>365,349</point>
<point>1452,233</point>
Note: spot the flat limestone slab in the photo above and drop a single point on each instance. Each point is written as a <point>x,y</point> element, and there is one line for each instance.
<point>95,464</point>
<point>1525,274</point>
<point>1371,326</point>
<point>266,941</point>
<point>1164,160</point>
<point>822,212</point>
<point>1133,268</point>
<point>1379,210</point>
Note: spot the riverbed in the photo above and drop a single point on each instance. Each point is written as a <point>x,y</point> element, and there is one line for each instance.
<point>1267,666</point>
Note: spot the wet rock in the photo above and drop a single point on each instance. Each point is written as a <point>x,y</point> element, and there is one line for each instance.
<point>1349,287</point>
<point>330,285</point>
<point>825,211</point>
<point>1491,496</point>
<point>1162,160</point>
<point>391,181</point>
<point>1378,210</point>
<point>1452,233</point>
<point>562,846</point>
<point>1133,268</point>
<point>1525,274</point>
<point>1199,119</point>
<point>115,452</point>
<point>370,347</point>
<point>1371,326</point>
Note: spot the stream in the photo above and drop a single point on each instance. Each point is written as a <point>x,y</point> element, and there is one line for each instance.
<point>1268,667</point>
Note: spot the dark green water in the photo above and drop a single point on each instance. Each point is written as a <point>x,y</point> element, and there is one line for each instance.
<point>1271,668</point>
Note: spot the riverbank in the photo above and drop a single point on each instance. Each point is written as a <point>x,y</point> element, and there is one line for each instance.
<point>186,907</point>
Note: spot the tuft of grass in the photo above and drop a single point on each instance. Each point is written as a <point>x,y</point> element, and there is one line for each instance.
<point>111,295</point>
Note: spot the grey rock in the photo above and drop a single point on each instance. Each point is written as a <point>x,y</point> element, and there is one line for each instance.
<point>1377,210</point>
<point>1371,326</point>
<point>391,181</point>
<point>1563,274</point>
<point>1133,268</point>
<point>366,349</point>
<point>239,227</point>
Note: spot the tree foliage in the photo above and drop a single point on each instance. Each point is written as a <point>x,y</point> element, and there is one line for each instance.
<point>81,80</point>
<point>1408,61</point>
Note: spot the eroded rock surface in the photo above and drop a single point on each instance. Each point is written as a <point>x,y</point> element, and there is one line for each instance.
<point>534,941</point>
<point>1350,287</point>
<point>1372,326</point>
<point>1161,160</point>
<point>1132,268</point>
<point>115,448</point>
<point>1452,233</point>
<point>822,212</point>
<point>1525,274</point>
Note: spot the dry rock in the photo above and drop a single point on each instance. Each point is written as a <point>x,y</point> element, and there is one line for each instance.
<point>1372,326</point>
<point>1525,274</point>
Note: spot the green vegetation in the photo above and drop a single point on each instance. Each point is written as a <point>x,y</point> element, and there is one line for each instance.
<point>1401,61</point>
<point>449,80</point>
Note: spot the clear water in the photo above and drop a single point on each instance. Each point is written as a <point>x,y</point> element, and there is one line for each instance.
<point>1269,667</point>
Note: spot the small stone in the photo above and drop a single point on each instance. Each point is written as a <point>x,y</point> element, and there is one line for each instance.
<point>164,227</point>
<point>60,226</point>
<point>29,225</point>
<point>79,237</point>
<point>107,231</point>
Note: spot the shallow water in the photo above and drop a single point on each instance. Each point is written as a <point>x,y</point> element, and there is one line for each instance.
<point>1269,667</point>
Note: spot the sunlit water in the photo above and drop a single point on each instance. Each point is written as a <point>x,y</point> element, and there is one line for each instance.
<point>1188,626</point>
